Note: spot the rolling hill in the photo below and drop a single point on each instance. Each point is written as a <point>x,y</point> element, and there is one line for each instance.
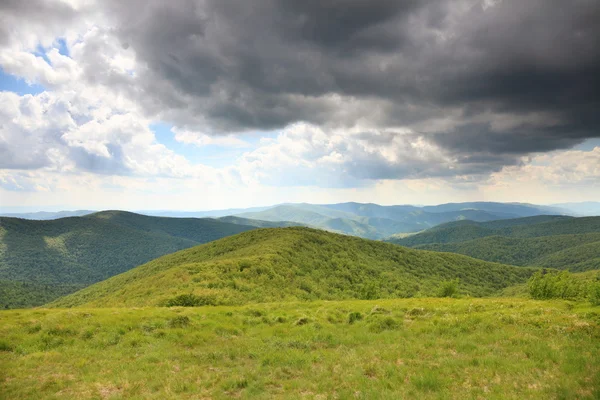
<point>543,225</point>
<point>545,241</point>
<point>291,264</point>
<point>42,260</point>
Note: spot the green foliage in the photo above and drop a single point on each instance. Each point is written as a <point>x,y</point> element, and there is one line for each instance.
<point>383,324</point>
<point>546,241</point>
<point>190,300</point>
<point>179,321</point>
<point>594,292</point>
<point>562,285</point>
<point>449,288</point>
<point>572,252</point>
<point>354,317</point>
<point>408,349</point>
<point>291,264</point>
<point>43,260</point>
<point>544,225</point>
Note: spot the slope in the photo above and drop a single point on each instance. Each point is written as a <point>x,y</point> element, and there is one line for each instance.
<point>290,264</point>
<point>199,230</point>
<point>46,259</point>
<point>573,252</point>
<point>461,231</point>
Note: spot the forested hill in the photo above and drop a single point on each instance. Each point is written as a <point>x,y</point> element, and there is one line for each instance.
<point>552,242</point>
<point>291,264</point>
<point>543,225</point>
<point>41,260</point>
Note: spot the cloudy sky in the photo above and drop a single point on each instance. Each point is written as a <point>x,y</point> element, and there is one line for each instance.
<point>201,104</point>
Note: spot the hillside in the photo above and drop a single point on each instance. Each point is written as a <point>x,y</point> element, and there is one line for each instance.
<point>41,260</point>
<point>290,264</point>
<point>461,231</point>
<point>543,241</point>
<point>572,252</point>
<point>521,290</point>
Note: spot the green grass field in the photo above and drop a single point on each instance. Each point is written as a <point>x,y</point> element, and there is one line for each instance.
<point>376,349</point>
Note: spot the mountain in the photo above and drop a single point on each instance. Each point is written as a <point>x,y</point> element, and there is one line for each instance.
<point>543,241</point>
<point>583,209</point>
<point>515,209</point>
<point>47,215</point>
<point>41,260</point>
<point>200,214</point>
<point>373,221</point>
<point>291,264</point>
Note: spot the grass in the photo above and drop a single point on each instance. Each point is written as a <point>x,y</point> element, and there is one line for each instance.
<point>383,349</point>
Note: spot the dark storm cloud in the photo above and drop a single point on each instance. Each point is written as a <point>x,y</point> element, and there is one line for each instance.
<point>37,14</point>
<point>487,81</point>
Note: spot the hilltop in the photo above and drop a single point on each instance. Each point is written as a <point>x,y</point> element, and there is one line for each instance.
<point>42,260</point>
<point>291,264</point>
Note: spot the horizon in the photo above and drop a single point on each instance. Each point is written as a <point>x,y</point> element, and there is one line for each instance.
<point>31,210</point>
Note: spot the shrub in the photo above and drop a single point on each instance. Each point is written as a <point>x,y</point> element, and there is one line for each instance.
<point>594,293</point>
<point>385,324</point>
<point>448,288</point>
<point>354,316</point>
<point>545,285</point>
<point>190,300</point>
<point>179,321</point>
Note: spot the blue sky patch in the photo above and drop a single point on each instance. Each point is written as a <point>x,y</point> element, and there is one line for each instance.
<point>12,83</point>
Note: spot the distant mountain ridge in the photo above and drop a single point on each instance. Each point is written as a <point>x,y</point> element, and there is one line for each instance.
<point>374,221</point>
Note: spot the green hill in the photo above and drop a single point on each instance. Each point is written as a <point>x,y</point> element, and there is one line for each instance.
<point>538,226</point>
<point>290,264</point>
<point>42,260</point>
<point>573,252</point>
<point>521,290</point>
<point>545,241</point>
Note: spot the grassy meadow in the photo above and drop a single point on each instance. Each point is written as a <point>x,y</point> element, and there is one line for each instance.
<point>357,349</point>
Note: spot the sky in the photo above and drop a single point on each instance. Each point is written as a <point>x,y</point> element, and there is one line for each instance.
<point>213,104</point>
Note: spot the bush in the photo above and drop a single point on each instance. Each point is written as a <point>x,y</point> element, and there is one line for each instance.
<point>354,316</point>
<point>385,324</point>
<point>448,288</point>
<point>190,300</point>
<point>594,293</point>
<point>546,285</point>
<point>179,322</point>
